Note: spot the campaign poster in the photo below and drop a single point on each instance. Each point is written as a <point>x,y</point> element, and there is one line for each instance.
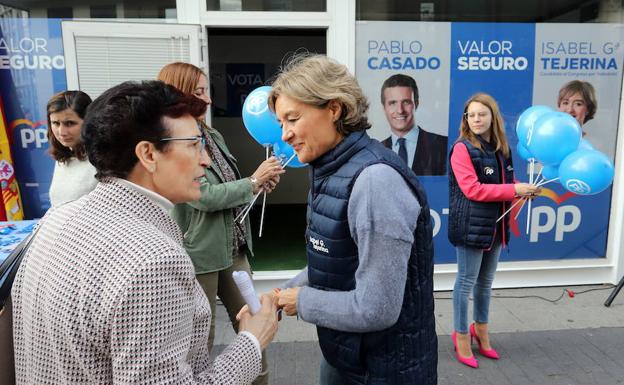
<point>588,53</point>
<point>418,50</point>
<point>32,69</point>
<point>520,65</point>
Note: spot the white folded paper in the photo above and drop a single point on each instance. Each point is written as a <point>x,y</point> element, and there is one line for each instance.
<point>245,286</point>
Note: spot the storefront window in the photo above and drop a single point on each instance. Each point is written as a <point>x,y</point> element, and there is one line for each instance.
<point>60,13</point>
<point>267,5</point>
<point>156,9</point>
<point>577,11</point>
<point>523,54</point>
<point>234,73</point>
<point>103,11</point>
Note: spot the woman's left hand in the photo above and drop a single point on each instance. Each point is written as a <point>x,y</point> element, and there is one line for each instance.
<point>287,300</point>
<point>270,185</point>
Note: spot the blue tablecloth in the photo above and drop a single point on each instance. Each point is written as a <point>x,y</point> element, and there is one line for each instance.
<point>12,233</point>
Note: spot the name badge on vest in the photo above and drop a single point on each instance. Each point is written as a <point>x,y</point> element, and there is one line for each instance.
<point>318,245</point>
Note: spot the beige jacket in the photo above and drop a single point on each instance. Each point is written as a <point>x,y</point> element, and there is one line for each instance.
<point>107,295</point>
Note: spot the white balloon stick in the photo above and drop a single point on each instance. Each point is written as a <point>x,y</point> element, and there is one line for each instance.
<point>546,182</point>
<point>263,201</point>
<point>247,208</point>
<point>509,209</point>
<point>528,216</point>
<point>532,167</point>
<point>520,209</point>
<point>245,286</point>
<point>539,174</point>
<point>289,159</point>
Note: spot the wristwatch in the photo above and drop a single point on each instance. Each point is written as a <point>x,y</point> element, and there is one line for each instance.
<point>254,182</point>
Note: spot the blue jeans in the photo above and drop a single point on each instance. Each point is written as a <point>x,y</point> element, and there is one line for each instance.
<point>475,272</point>
<point>330,375</point>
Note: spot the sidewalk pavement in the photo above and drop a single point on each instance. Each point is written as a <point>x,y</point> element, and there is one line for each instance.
<point>574,341</point>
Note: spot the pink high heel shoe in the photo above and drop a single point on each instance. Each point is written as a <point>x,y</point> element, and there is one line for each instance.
<point>493,354</point>
<point>469,361</point>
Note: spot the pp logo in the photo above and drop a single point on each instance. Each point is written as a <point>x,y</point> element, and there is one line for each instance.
<point>578,186</point>
<point>257,103</point>
<point>30,132</point>
<point>488,171</point>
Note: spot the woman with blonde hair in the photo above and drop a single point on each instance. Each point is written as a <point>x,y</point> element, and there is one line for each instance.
<point>481,187</point>
<point>368,285</point>
<point>217,244</point>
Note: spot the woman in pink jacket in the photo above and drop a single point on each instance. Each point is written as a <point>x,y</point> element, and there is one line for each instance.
<point>481,188</point>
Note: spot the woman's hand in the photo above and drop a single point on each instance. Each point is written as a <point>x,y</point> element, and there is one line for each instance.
<point>269,186</point>
<point>527,190</point>
<point>272,295</point>
<point>267,175</point>
<point>263,325</point>
<point>287,300</point>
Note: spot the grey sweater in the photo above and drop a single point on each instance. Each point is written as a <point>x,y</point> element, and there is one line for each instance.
<point>382,215</point>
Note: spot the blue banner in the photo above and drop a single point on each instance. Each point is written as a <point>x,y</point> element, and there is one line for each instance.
<point>32,69</point>
<point>520,65</point>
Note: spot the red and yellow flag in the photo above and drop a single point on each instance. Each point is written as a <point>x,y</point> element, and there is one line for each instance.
<point>10,202</point>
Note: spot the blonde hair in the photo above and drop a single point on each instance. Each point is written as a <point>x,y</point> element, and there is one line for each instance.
<point>316,80</point>
<point>183,76</point>
<point>497,126</point>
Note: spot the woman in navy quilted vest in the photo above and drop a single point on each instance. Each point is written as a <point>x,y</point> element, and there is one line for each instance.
<point>368,283</point>
<point>481,188</point>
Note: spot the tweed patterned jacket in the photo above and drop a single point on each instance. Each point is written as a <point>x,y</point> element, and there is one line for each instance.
<point>107,295</point>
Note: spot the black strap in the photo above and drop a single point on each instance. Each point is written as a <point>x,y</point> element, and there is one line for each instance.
<point>8,268</point>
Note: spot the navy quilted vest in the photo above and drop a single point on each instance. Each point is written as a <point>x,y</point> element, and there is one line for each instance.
<point>405,353</point>
<point>472,223</point>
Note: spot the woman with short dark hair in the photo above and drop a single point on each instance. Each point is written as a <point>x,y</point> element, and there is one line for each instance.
<point>73,174</point>
<point>106,292</point>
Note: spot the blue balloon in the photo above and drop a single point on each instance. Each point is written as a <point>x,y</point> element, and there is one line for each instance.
<point>586,172</point>
<point>550,172</point>
<point>283,151</point>
<point>523,152</point>
<point>259,120</point>
<point>553,137</point>
<point>585,145</point>
<point>527,119</point>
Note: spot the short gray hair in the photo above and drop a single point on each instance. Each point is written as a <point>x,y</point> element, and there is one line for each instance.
<point>316,80</point>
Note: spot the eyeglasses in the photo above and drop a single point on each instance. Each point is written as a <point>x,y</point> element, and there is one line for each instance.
<point>200,141</point>
<point>472,115</point>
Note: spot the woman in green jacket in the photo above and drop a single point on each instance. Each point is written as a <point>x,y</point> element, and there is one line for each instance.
<point>217,244</point>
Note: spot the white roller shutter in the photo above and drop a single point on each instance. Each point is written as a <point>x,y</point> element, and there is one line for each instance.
<point>99,55</point>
